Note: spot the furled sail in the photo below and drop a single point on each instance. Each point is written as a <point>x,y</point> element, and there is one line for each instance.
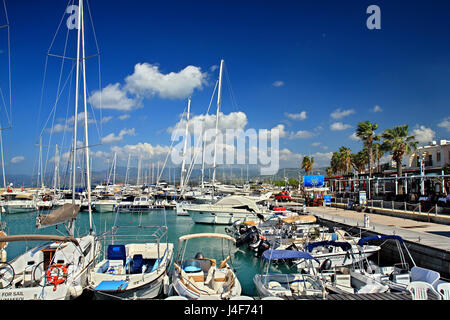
<point>65,213</point>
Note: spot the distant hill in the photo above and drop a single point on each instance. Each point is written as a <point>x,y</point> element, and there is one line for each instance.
<point>227,175</point>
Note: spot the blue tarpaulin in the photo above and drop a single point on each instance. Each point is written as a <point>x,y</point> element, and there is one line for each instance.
<point>386,237</point>
<point>344,245</point>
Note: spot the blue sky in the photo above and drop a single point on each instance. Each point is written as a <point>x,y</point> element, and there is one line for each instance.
<point>307,67</point>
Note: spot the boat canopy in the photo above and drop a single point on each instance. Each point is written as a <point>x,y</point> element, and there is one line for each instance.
<point>344,245</point>
<point>286,254</point>
<point>67,212</point>
<point>238,202</point>
<point>383,237</point>
<point>206,235</point>
<point>299,219</point>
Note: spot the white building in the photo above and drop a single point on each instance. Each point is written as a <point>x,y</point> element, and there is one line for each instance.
<point>435,156</point>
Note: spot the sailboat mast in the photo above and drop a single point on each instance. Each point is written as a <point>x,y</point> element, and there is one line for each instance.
<point>219,92</point>
<point>86,138</point>
<point>183,164</point>
<point>3,162</point>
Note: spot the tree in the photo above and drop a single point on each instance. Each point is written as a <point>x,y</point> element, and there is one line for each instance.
<point>345,159</point>
<point>366,132</point>
<point>378,153</point>
<point>307,164</point>
<point>398,143</point>
<point>360,160</point>
<point>329,171</point>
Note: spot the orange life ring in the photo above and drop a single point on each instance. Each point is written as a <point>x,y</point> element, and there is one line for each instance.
<point>54,274</point>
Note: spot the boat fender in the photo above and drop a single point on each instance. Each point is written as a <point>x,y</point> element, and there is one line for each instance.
<point>166,285</point>
<point>75,291</point>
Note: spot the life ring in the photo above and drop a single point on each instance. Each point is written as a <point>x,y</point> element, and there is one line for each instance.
<point>54,276</point>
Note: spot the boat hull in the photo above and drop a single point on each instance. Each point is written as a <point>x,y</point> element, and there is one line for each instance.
<point>222,218</point>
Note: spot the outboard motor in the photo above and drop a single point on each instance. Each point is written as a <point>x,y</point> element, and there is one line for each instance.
<point>247,237</point>
<point>326,265</point>
<point>199,255</point>
<point>263,246</point>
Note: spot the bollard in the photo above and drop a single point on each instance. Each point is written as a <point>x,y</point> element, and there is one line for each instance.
<point>366,220</point>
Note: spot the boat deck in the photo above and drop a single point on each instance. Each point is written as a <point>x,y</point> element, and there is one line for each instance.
<point>386,296</point>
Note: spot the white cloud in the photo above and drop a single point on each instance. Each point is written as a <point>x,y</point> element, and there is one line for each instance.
<point>377,109</point>
<point>339,114</point>
<point>296,116</point>
<point>278,83</point>
<point>337,126</point>
<point>17,159</point>
<point>293,160</point>
<point>110,138</point>
<point>316,144</point>
<point>106,119</point>
<point>281,131</point>
<point>354,137</point>
<point>144,150</point>
<point>445,124</point>
<point>124,116</point>
<point>213,68</point>
<point>233,120</point>
<point>302,134</point>
<point>423,134</point>
<point>113,97</point>
<point>148,81</point>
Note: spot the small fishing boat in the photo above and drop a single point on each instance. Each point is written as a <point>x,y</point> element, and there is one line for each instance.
<point>134,265</point>
<point>298,284</point>
<point>201,277</point>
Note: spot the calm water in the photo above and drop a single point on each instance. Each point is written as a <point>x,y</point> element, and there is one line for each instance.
<point>244,262</point>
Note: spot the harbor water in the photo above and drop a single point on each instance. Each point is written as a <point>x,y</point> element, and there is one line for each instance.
<point>244,261</point>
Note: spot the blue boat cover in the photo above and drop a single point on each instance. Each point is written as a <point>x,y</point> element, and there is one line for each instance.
<point>286,254</point>
<point>344,245</point>
<point>384,237</point>
<point>106,285</point>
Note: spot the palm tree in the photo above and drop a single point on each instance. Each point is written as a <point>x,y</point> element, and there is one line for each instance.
<point>335,163</point>
<point>398,143</point>
<point>359,160</point>
<point>307,164</point>
<point>366,132</point>
<point>345,159</point>
<point>329,171</point>
<point>378,153</point>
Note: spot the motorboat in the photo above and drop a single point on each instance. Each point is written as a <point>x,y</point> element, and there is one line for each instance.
<point>137,204</point>
<point>227,210</point>
<point>199,277</point>
<point>134,265</point>
<point>395,277</point>
<point>340,253</point>
<point>19,202</point>
<point>105,203</point>
<point>286,284</point>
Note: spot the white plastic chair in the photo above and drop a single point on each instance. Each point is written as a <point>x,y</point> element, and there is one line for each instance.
<point>424,275</point>
<point>419,290</point>
<point>444,290</point>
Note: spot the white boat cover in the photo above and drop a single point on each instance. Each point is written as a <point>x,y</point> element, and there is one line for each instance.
<point>238,201</point>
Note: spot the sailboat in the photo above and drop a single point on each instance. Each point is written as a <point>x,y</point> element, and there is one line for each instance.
<point>56,269</point>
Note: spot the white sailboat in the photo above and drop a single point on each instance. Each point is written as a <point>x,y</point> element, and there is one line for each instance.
<point>57,269</point>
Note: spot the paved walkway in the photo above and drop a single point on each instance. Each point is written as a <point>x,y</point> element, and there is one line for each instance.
<point>430,234</point>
